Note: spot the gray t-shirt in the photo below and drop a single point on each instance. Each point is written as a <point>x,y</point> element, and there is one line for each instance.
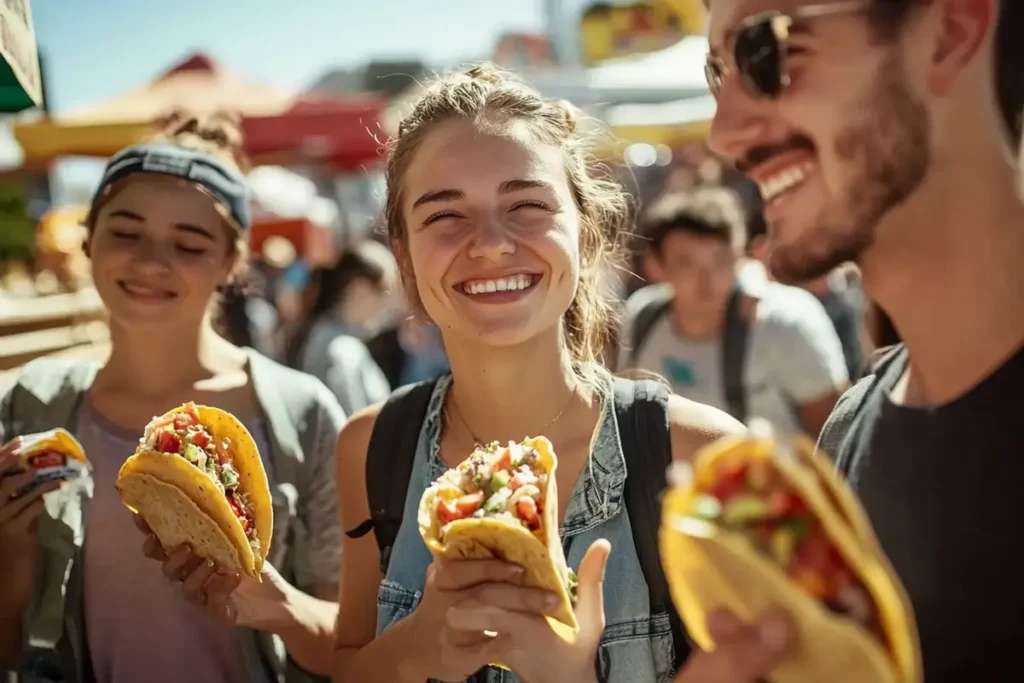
<point>139,626</point>
<point>793,356</point>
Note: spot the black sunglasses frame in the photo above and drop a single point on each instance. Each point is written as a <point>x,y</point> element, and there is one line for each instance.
<point>777,24</point>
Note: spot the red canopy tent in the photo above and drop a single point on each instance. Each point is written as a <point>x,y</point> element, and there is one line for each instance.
<point>279,128</point>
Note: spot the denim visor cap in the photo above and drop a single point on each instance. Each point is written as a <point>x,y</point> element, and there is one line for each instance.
<point>226,184</point>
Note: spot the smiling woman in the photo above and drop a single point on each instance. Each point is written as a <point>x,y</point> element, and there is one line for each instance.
<point>197,227</point>
<point>503,229</point>
<point>166,230</point>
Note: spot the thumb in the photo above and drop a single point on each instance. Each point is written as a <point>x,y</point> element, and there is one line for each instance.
<point>590,591</point>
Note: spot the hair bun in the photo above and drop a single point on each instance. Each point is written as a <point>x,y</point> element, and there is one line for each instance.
<point>218,133</point>
<point>487,72</point>
<point>570,114</point>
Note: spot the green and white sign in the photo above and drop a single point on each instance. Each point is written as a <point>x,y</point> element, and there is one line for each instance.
<point>20,81</point>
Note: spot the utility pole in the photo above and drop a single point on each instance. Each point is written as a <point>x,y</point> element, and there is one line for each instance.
<point>554,19</point>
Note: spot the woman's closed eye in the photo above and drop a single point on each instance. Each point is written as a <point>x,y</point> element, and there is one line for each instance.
<point>123,235</point>
<point>531,203</point>
<point>440,215</point>
<point>193,251</point>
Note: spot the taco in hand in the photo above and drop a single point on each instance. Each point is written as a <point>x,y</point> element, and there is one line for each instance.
<point>197,478</point>
<point>502,502</point>
<point>54,454</point>
<point>756,524</point>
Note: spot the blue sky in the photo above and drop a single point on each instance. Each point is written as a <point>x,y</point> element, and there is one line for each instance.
<point>102,48</point>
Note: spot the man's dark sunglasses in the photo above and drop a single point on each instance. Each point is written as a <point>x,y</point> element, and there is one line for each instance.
<point>759,48</point>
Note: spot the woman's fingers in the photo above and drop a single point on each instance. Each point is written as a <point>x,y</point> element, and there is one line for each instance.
<point>194,585</point>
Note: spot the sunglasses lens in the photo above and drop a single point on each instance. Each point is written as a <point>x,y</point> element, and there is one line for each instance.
<point>759,59</point>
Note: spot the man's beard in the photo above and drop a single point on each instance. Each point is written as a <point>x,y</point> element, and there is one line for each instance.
<point>890,147</point>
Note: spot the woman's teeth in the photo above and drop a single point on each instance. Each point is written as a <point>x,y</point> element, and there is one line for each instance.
<point>505,284</point>
<point>141,290</point>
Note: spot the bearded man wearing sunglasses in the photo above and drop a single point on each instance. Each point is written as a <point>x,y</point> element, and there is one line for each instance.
<point>882,132</point>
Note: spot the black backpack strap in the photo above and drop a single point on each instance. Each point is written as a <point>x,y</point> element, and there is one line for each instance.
<point>389,459</point>
<point>734,357</point>
<point>651,313</point>
<point>641,410</point>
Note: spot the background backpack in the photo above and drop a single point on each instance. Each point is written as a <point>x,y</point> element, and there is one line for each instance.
<point>735,336</point>
<point>641,410</point>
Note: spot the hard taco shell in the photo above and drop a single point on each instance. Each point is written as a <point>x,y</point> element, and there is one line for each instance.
<point>710,568</point>
<point>488,538</point>
<point>171,520</point>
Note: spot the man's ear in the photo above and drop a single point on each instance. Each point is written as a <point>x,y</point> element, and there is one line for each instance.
<point>653,270</point>
<point>962,30</point>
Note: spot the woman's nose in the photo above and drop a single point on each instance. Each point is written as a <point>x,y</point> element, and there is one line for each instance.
<point>154,254</point>
<point>491,240</point>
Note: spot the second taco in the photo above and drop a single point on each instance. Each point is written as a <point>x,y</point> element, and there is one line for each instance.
<point>755,527</point>
<point>197,478</point>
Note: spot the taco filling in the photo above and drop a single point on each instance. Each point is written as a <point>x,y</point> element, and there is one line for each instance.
<point>753,499</point>
<point>181,433</point>
<point>499,482</point>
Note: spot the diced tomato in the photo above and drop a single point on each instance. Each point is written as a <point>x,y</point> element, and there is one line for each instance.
<point>168,442</point>
<point>201,439</point>
<point>526,508</point>
<point>815,552</point>
<point>183,421</point>
<point>222,453</point>
<point>732,479</point>
<point>785,504</point>
<point>237,509</point>
<point>811,581</point>
<point>504,461</point>
<point>446,511</point>
<point>467,505</point>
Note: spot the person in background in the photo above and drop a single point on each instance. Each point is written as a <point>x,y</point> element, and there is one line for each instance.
<point>839,292</point>
<point>348,300</point>
<point>409,351</point>
<point>885,133</point>
<point>708,336</point>
<point>81,602</point>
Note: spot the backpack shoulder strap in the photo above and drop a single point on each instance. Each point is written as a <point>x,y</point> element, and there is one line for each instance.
<point>734,357</point>
<point>641,410</point>
<point>650,312</point>
<point>389,459</point>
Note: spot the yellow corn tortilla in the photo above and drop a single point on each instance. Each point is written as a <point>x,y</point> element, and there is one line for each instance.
<point>159,508</point>
<point>489,538</point>
<point>58,440</point>
<point>710,568</point>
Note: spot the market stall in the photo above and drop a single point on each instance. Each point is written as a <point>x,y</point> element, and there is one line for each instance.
<point>278,127</point>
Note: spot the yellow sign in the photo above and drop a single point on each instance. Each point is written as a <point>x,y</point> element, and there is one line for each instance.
<point>609,31</point>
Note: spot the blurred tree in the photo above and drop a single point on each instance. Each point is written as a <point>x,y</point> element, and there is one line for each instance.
<point>17,228</point>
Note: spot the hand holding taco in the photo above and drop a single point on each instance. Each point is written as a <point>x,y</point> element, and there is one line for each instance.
<point>502,503</point>
<point>197,480</point>
<point>21,497</point>
<point>759,523</point>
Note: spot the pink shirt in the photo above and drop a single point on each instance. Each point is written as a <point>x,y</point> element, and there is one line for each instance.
<point>138,625</point>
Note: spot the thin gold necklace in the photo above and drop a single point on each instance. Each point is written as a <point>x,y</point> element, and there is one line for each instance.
<point>480,442</point>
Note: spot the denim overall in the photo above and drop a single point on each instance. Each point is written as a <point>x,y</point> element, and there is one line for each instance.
<point>636,647</point>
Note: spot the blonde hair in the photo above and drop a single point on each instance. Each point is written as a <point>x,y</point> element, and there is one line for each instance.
<point>488,95</point>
